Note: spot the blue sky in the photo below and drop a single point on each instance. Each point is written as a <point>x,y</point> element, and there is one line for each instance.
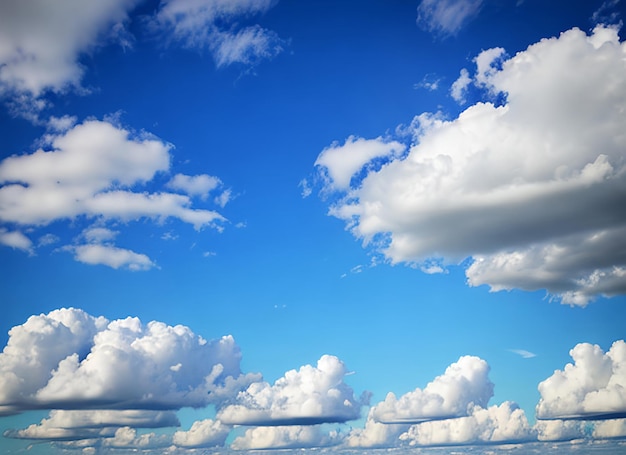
<point>257,224</point>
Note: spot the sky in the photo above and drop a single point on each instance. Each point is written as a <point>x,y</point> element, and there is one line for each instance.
<point>354,226</point>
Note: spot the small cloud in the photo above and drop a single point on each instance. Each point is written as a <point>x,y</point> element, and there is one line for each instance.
<point>16,240</point>
<point>306,188</point>
<point>459,87</point>
<point>428,82</point>
<point>208,254</point>
<point>446,17</point>
<point>525,354</point>
<point>47,239</point>
<point>224,197</point>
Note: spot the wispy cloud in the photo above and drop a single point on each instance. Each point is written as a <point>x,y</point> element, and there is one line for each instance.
<point>446,17</point>
<point>525,354</point>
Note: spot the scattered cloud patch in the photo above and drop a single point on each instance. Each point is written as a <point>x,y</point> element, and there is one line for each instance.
<point>533,181</point>
<point>446,17</point>
<point>215,25</point>
<point>98,171</point>
<point>524,353</point>
<point>310,395</point>
<point>593,387</point>
<point>459,87</point>
<point>15,240</point>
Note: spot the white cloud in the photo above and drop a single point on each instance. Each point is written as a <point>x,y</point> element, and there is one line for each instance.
<point>496,424</point>
<point>560,430</point>
<point>285,437</point>
<point>71,360</point>
<point>203,433</point>
<point>310,395</point>
<point>459,87</point>
<point>75,425</point>
<point>112,256</point>
<point>97,170</point>
<point>16,240</point>
<point>463,385</point>
<point>194,185</point>
<point>127,438</point>
<point>212,24</point>
<point>530,191</point>
<point>41,41</point>
<point>594,386</point>
<point>612,428</point>
<point>340,162</point>
<point>446,17</point>
<point>524,353</point>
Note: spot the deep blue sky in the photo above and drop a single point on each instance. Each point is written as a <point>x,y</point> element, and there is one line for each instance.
<point>516,204</point>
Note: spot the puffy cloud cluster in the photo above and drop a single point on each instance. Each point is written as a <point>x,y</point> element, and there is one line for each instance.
<point>446,17</point>
<point>310,395</point>
<point>593,387</point>
<point>213,24</point>
<point>96,170</point>
<point>531,190</point>
<point>203,433</point>
<point>464,387</point>
<point>496,424</point>
<point>70,360</point>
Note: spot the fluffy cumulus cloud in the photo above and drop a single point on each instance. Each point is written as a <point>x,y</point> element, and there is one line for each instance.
<point>593,387</point>
<point>464,386</point>
<point>285,437</point>
<point>98,171</point>
<point>213,24</point>
<point>203,433</point>
<point>446,17</point>
<point>41,41</point>
<point>494,425</point>
<point>529,190</point>
<point>68,359</point>
<point>310,395</point>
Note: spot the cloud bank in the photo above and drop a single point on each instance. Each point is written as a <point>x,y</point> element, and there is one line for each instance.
<point>528,192</point>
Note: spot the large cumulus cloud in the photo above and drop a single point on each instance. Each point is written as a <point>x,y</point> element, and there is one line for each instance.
<point>68,359</point>
<point>531,190</point>
<point>464,386</point>
<point>593,387</point>
<point>310,395</point>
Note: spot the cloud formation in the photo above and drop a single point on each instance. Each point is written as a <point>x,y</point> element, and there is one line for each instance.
<point>213,25</point>
<point>98,171</point>
<point>203,433</point>
<point>593,387</point>
<point>71,360</point>
<point>529,191</point>
<point>310,395</point>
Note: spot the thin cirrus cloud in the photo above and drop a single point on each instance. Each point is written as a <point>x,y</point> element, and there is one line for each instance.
<point>213,25</point>
<point>536,183</point>
<point>97,171</point>
<point>310,395</point>
<point>446,17</point>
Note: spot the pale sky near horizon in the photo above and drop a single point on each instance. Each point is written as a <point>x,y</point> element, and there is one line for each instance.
<point>266,224</point>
